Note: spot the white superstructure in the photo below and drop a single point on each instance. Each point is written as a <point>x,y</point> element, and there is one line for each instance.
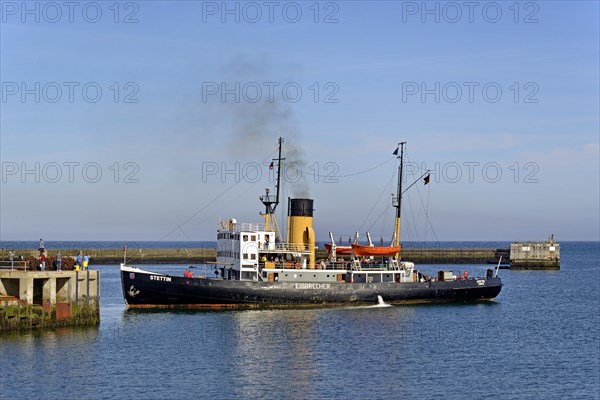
<point>244,249</point>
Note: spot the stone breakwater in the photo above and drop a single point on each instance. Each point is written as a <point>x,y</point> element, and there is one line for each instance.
<point>208,254</point>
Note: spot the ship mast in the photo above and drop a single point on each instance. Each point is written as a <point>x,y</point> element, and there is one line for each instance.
<point>397,200</point>
<point>269,201</point>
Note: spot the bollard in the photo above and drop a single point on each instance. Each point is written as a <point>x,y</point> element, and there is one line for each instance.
<point>77,288</point>
<point>88,287</point>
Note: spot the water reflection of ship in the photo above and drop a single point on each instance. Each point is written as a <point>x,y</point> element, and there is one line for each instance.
<point>291,339</point>
<point>257,266</point>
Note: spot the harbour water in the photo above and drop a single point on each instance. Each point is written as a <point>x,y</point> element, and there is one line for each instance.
<point>539,339</point>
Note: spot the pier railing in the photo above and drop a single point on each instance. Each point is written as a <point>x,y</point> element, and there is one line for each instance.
<point>12,265</point>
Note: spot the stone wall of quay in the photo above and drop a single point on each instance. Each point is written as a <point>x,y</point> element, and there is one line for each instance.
<point>47,299</point>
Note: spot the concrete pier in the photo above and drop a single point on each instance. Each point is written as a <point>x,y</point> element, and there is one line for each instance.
<point>31,299</point>
<point>535,255</point>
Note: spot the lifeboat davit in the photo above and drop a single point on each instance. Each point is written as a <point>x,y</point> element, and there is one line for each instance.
<point>375,251</point>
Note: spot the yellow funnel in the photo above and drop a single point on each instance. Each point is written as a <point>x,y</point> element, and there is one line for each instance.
<point>300,226</point>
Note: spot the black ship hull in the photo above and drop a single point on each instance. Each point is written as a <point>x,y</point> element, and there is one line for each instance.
<point>147,289</point>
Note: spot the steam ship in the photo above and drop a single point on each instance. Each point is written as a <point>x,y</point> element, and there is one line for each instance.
<point>257,267</point>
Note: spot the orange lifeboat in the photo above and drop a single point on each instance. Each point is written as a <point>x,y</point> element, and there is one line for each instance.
<point>339,250</point>
<point>375,251</point>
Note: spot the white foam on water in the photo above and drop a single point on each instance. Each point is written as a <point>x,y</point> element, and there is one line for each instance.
<point>380,304</point>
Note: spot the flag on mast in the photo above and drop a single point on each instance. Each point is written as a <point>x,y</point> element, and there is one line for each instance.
<point>271,165</point>
<point>426,179</point>
<point>395,151</point>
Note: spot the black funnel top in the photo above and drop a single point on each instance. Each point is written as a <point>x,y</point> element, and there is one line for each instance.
<point>300,208</point>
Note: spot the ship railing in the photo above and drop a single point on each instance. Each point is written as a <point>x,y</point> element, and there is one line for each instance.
<point>284,248</point>
<point>338,265</point>
<point>364,266</point>
<point>249,227</point>
<point>268,198</point>
<point>242,227</point>
<point>283,264</point>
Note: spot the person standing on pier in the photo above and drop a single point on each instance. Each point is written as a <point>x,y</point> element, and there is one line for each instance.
<point>43,262</point>
<point>86,261</point>
<point>79,261</point>
<point>58,261</point>
<point>41,247</point>
<point>11,257</point>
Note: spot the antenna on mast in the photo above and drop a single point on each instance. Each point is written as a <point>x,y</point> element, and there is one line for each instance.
<point>271,201</point>
<point>397,200</point>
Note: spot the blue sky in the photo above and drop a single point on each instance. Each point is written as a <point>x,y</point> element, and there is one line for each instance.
<point>503,108</point>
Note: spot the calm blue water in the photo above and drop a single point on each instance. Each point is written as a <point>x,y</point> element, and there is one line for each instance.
<point>540,339</point>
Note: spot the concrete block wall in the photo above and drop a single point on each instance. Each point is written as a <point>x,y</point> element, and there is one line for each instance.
<point>33,287</point>
<point>535,255</point>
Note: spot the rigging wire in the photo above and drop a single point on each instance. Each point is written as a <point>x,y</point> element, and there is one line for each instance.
<point>186,236</point>
<point>377,220</point>
<point>211,202</point>
<point>329,176</point>
<point>386,188</point>
<point>412,234</point>
<point>427,219</point>
<point>426,213</point>
<point>384,223</point>
<point>283,210</point>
